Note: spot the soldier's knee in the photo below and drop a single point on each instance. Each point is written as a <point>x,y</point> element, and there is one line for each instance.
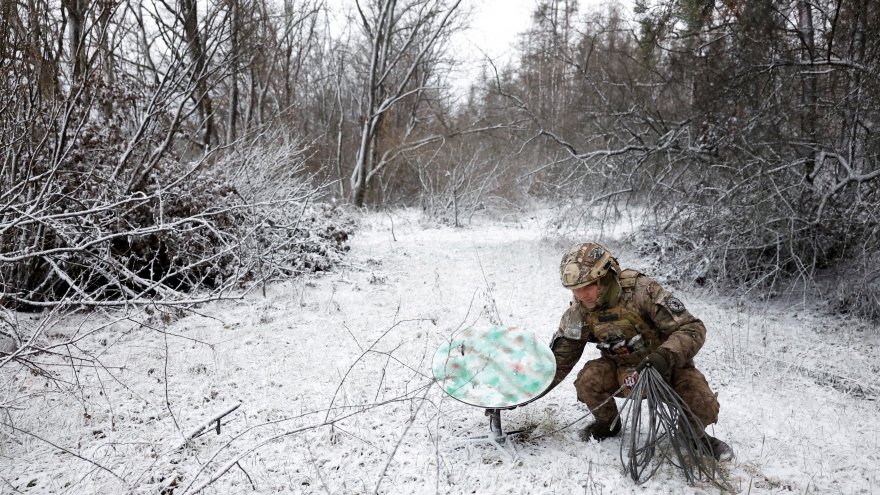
<point>585,382</point>
<point>693,389</point>
<point>704,405</point>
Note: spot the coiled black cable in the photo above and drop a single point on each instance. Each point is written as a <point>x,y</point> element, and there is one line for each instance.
<point>668,418</point>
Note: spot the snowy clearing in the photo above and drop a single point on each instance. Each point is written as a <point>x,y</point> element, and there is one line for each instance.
<point>333,376</point>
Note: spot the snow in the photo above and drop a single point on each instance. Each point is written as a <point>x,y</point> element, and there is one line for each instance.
<point>353,348</point>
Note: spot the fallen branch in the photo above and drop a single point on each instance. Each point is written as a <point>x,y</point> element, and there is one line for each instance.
<point>235,460</point>
<point>207,424</point>
<point>67,451</point>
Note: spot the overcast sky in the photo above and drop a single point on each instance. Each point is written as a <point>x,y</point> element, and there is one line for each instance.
<point>495,25</point>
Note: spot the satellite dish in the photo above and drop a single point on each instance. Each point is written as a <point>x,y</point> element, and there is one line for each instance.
<point>494,367</point>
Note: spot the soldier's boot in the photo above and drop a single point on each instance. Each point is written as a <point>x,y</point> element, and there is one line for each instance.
<point>720,450</point>
<point>599,432</point>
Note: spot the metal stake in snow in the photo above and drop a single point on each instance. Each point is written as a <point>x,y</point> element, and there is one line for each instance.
<point>494,368</point>
<point>207,424</point>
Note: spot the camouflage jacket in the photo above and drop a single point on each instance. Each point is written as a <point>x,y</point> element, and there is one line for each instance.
<point>641,317</point>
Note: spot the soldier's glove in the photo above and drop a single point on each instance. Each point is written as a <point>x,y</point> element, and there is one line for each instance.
<point>660,360</point>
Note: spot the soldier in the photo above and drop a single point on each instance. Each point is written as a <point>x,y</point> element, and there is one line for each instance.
<point>635,323</point>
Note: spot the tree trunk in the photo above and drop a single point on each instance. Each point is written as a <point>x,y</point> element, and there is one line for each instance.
<point>808,93</point>
<point>142,39</point>
<point>397,52</point>
<point>76,12</point>
<point>233,84</point>
<point>189,12</point>
<point>381,32</point>
<point>857,54</point>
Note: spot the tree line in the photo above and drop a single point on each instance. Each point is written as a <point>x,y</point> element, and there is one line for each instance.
<point>742,132</point>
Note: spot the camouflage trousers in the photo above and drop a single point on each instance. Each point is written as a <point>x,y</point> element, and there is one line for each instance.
<point>598,380</point>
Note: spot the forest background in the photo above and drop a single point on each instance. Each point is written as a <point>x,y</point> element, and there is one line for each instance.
<point>146,145</point>
<point>161,154</point>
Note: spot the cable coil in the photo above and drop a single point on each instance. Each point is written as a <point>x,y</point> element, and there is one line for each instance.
<point>667,418</point>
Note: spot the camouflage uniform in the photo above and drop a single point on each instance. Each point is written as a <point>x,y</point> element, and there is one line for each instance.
<point>633,319</point>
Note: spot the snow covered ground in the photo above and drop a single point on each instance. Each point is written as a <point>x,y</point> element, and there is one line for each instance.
<point>333,376</point>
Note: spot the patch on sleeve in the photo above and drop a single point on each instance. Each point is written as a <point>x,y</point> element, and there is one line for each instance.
<point>674,304</point>
<point>573,325</point>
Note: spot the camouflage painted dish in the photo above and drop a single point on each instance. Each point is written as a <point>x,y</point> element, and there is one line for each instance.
<point>494,367</point>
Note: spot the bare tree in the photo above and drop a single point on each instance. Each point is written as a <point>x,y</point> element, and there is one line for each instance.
<point>108,208</point>
<point>188,13</point>
<point>739,127</point>
<point>405,42</point>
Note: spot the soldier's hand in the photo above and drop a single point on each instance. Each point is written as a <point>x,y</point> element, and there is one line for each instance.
<point>660,360</point>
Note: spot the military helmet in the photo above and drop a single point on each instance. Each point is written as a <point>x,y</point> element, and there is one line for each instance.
<point>586,263</point>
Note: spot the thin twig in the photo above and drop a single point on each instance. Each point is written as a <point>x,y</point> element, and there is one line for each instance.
<point>400,440</point>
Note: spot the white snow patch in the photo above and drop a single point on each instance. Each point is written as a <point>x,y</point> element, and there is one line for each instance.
<point>354,347</point>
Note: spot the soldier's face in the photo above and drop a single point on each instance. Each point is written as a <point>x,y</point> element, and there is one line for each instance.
<point>588,295</point>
